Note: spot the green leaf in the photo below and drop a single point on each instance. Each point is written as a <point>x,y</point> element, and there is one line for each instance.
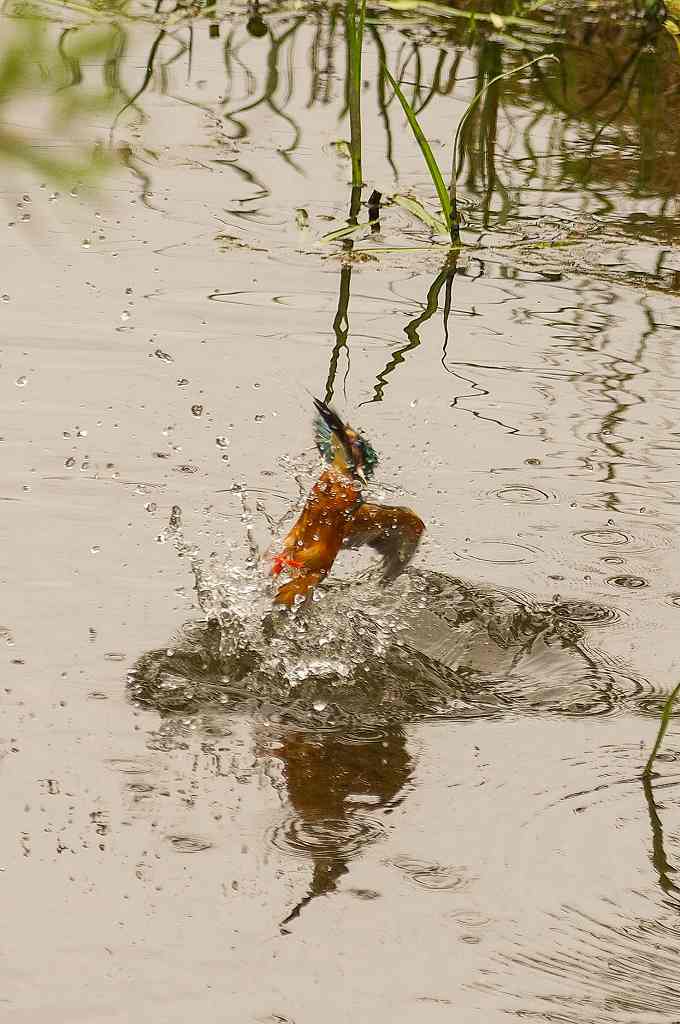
<point>415,207</point>
<point>432,165</point>
<point>349,229</point>
<point>663,727</point>
<point>402,5</point>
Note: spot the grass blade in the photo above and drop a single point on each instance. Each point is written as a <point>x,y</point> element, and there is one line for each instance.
<point>345,232</point>
<point>432,165</point>
<point>663,726</point>
<point>415,207</point>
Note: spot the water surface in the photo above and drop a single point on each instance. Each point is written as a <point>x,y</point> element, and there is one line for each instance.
<point>413,805</point>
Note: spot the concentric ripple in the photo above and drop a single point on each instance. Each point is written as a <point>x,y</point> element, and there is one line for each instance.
<point>497,552</point>
<point>604,538</point>
<point>587,613</point>
<point>637,537</point>
<point>309,302</point>
<point>430,875</point>
<point>325,838</point>
<point>522,495</point>
<point>628,582</point>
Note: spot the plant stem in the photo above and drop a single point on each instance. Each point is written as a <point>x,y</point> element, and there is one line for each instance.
<point>354,27</point>
<point>663,726</point>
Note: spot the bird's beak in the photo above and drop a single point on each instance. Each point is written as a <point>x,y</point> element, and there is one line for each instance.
<point>330,418</point>
<point>360,473</point>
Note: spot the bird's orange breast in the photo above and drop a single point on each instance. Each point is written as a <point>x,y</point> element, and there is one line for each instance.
<point>318,534</point>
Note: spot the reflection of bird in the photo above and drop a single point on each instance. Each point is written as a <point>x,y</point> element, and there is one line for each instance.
<point>333,783</point>
<point>335,515</point>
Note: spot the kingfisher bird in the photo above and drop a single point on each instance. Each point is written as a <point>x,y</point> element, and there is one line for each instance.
<point>335,515</point>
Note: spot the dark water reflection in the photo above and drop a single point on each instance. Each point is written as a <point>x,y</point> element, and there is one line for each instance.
<point>341,739</point>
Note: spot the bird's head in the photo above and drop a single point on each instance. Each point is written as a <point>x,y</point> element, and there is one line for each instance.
<point>341,446</point>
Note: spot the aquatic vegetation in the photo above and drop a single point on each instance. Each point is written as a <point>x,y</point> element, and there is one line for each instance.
<point>449,224</point>
<point>448,196</point>
<point>672,20</point>
<point>30,64</point>
<point>666,714</point>
<point>355,15</point>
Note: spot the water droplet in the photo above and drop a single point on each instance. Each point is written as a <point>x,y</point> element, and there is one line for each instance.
<point>86,243</point>
<point>414,403</point>
<point>182,382</point>
<point>66,433</point>
<point>21,382</point>
<point>533,462</point>
<point>259,418</point>
<point>25,217</point>
<point>225,458</point>
<point>53,197</point>
<point>197,410</point>
<point>95,549</point>
<point>222,442</point>
<point>165,356</point>
<point>257,385</point>
<point>125,315</point>
<point>128,290</point>
<point>151,506</point>
<point>81,433</point>
<point>84,466</point>
<point>70,462</point>
<point>26,198</point>
<point>5,297</point>
<point>319,705</point>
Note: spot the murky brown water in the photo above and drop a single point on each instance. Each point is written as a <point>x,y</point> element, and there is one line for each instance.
<point>413,806</point>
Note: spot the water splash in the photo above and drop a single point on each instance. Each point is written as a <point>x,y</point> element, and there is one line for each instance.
<point>360,656</point>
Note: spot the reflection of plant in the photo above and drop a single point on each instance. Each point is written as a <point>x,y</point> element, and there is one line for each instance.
<point>31,64</point>
<point>448,198</point>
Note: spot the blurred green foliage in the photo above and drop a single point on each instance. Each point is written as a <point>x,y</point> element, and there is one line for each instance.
<point>54,72</point>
